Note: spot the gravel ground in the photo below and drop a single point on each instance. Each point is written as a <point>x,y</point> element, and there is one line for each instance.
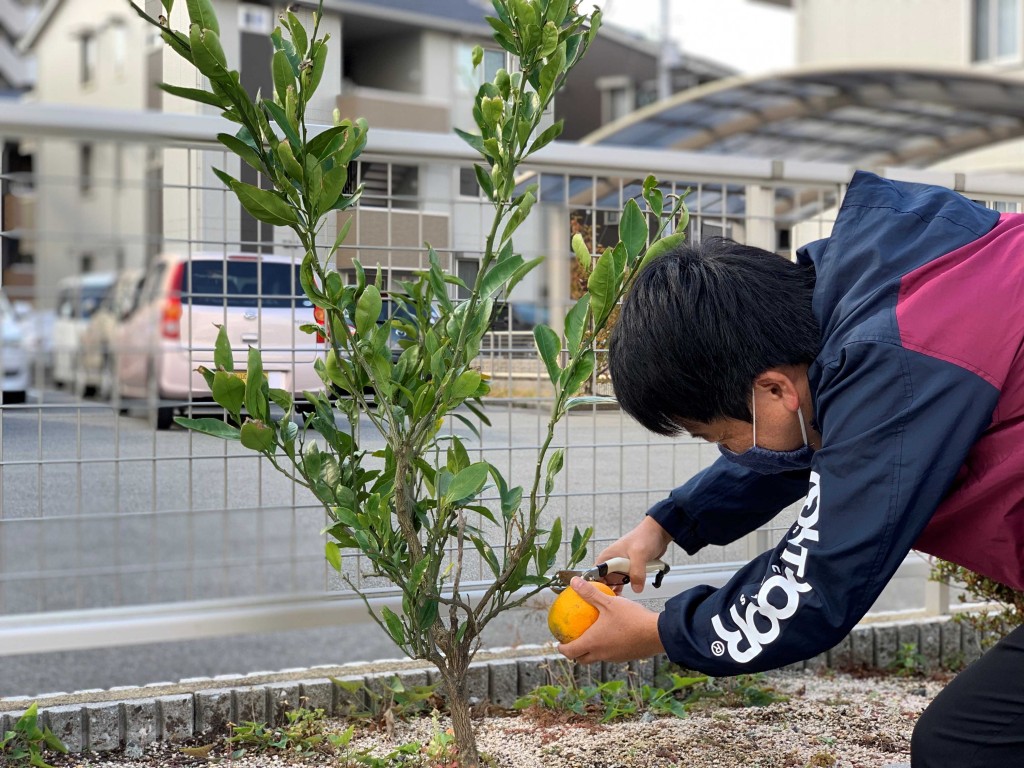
<point>830,721</point>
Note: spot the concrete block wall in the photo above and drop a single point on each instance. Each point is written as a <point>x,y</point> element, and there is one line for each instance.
<point>208,704</point>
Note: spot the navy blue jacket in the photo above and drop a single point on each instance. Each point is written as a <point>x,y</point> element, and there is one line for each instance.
<point>918,393</point>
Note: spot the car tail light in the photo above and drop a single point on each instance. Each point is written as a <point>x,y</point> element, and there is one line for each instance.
<point>319,318</point>
<point>170,323</point>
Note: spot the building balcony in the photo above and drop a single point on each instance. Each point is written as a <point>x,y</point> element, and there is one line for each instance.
<point>396,110</point>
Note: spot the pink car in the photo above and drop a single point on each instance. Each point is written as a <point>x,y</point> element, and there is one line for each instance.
<point>173,328</point>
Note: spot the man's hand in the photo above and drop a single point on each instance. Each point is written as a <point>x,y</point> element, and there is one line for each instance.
<point>648,541</point>
<point>624,630</point>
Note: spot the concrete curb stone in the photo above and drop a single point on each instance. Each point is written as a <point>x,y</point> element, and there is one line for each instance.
<point>104,727</point>
<point>176,717</point>
<point>141,724</point>
<point>318,694</point>
<point>281,697</point>
<point>213,710</point>
<point>504,679</point>
<point>138,721</point>
<point>66,722</point>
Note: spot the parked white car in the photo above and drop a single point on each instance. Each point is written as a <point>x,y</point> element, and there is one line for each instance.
<point>77,298</point>
<point>173,328</point>
<point>97,370</point>
<point>15,360</point>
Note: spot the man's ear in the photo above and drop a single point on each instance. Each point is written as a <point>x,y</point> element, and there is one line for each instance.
<point>779,384</point>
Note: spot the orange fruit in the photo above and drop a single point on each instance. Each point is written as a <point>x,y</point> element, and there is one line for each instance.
<point>570,615</point>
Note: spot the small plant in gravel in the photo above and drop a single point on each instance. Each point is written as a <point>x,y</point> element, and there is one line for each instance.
<point>304,733</point>
<point>909,662</point>
<point>394,700</point>
<point>25,743</point>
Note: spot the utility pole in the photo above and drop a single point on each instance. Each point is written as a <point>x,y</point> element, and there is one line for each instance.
<point>666,54</point>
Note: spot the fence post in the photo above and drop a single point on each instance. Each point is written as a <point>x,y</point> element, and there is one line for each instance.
<point>936,598</point>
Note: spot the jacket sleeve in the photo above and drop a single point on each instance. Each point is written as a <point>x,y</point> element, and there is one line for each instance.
<point>897,426</point>
<point>723,502</point>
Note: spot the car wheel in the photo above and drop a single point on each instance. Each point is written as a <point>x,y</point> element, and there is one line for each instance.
<point>161,417</point>
<point>82,388</point>
<point>14,398</point>
<point>105,390</point>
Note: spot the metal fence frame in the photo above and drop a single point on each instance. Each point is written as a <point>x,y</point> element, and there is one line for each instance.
<point>132,624</point>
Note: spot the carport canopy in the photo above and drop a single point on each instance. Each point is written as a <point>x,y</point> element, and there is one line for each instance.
<point>866,117</point>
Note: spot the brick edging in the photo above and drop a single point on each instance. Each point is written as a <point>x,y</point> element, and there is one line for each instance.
<point>134,723</point>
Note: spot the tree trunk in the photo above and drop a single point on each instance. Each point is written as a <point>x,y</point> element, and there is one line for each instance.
<point>454,675</point>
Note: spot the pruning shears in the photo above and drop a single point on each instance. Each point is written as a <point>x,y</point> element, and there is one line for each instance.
<point>614,573</point>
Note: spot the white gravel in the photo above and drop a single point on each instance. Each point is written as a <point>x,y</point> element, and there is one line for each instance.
<point>830,721</point>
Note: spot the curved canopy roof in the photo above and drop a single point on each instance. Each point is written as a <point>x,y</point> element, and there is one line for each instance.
<point>865,116</point>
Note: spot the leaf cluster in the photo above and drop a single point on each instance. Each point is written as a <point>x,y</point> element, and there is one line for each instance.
<point>617,699</point>
<point>25,743</point>
<point>992,625</point>
<point>401,356</point>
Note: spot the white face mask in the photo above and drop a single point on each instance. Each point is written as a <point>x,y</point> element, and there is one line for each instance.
<point>766,461</point>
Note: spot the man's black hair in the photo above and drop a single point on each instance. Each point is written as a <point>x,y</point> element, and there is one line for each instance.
<point>700,324</point>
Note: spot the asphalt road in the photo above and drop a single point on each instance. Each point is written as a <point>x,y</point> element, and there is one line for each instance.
<point>98,510</point>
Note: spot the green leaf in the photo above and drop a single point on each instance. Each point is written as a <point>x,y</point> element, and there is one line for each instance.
<point>194,94</point>
<point>660,248</point>
<point>394,625</point>
<point>467,483</point>
<point>299,37</point>
<point>368,309</point>
<point>551,133</point>
<point>201,12</point>
<point>633,230</point>
<point>466,385</point>
<point>207,53</point>
<point>333,553</point>
<point>653,195</point>
<point>575,324</point>
<point>243,150</point>
<point>579,372</point>
<point>255,399</point>
<point>316,72</point>
<point>331,187</point>
<point>257,436</point>
<point>549,348</point>
<point>288,162</point>
<point>281,118</point>
<point>281,69</point>
<point>522,272</point>
<point>209,426</point>
<point>601,285</point>
<point>265,204</point>
<point>475,140</point>
<point>229,392</point>
<point>555,464</point>
<point>222,355</point>
<point>342,234</point>
<point>576,402</point>
<point>483,178</point>
<point>495,277</point>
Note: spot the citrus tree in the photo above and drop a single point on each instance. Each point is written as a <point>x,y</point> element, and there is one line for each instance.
<point>414,509</point>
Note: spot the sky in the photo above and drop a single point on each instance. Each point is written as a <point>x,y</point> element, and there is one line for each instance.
<point>753,37</point>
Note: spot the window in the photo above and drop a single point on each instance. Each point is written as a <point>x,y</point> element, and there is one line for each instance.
<point>88,55</point>
<point>471,79</point>
<point>468,186</point>
<point>996,30</point>
<point>119,45</point>
<point>258,19</point>
<point>85,168</point>
<point>467,271</point>
<point>618,97</point>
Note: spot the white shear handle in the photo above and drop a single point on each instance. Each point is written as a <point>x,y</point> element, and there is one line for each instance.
<point>621,565</point>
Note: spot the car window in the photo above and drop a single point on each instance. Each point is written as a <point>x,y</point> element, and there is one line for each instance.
<point>242,284</point>
<point>90,299</point>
